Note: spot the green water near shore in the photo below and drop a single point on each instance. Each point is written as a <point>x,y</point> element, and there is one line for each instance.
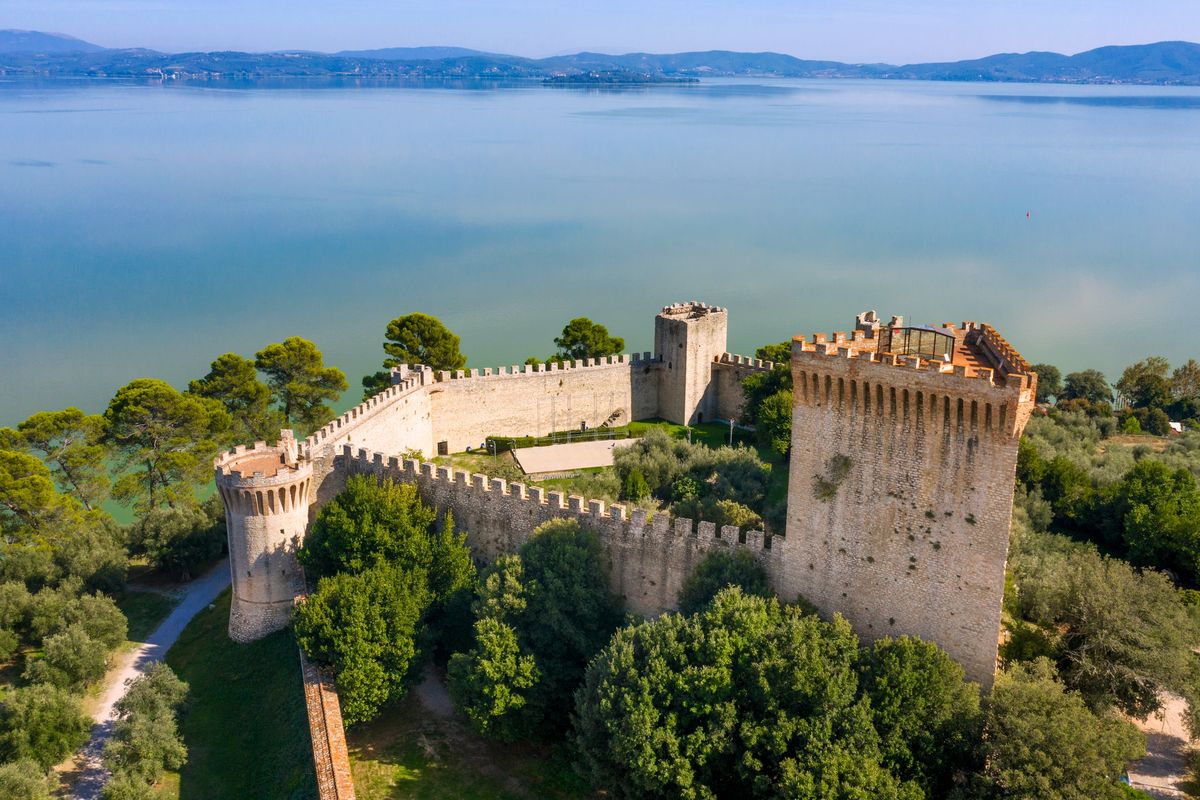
<point>146,229</point>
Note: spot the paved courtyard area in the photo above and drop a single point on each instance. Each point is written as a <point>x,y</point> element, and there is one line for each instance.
<point>566,457</point>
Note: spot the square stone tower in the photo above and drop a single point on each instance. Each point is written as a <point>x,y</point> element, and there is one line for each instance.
<point>904,451</point>
<point>689,337</point>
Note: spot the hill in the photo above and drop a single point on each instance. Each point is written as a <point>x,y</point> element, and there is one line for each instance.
<point>14,41</point>
<point>47,55</point>
<point>414,53</point>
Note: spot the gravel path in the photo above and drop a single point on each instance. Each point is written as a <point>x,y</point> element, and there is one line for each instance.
<point>1164,771</point>
<point>196,596</point>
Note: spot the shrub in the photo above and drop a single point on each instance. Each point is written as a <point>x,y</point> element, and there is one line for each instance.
<point>42,723</point>
<point>145,739</point>
<point>71,660</point>
<point>635,487</point>
<point>24,779</point>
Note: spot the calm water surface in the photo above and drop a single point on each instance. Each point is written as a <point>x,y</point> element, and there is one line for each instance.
<point>144,230</point>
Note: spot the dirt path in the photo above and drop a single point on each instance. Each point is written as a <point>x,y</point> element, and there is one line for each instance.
<point>195,597</point>
<point>1164,770</point>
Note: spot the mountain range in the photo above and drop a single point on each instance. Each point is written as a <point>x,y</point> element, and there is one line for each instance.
<point>33,53</point>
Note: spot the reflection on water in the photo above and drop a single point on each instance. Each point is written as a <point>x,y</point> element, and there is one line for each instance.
<point>230,215</point>
<point>1165,102</point>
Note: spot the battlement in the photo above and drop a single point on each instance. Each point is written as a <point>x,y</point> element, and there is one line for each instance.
<point>525,370</point>
<point>405,381</point>
<point>979,353</point>
<point>757,364</point>
<point>262,464</point>
<point>540,504</point>
<point>692,309</point>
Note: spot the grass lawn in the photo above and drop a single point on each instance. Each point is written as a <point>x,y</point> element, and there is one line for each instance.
<point>245,726</point>
<point>410,753</point>
<point>144,610</point>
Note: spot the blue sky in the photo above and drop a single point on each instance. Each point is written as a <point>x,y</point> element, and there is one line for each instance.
<point>849,30</point>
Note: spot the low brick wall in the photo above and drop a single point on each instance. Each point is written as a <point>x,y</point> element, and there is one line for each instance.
<point>330,756</point>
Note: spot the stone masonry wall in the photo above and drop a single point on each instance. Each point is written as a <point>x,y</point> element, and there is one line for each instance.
<point>649,559</point>
<point>727,374</point>
<point>535,400</point>
<point>395,420</point>
<point>900,496</point>
<point>331,757</point>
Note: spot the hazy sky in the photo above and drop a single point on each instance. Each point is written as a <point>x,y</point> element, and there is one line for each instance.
<point>895,31</point>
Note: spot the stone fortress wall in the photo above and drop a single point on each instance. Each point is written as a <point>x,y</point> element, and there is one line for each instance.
<point>912,540</point>
<point>431,412</point>
<point>649,558</point>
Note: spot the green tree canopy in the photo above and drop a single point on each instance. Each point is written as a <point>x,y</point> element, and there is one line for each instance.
<point>581,338</point>
<point>1042,741</point>
<point>71,444</point>
<point>1185,381</point>
<point>778,354</point>
<point>47,535</point>
<point>233,382</point>
<point>42,723</point>
<point>71,660</point>
<point>1159,510</point>
<point>1050,383</point>
<point>416,339</point>
<point>719,570</point>
<point>773,422</point>
<point>555,599</point>
<point>634,487</point>
<point>422,339</point>
<point>926,714</point>
<point>757,387</point>
<point>1146,384</point>
<point>164,441</point>
<point>1089,385</point>
<point>743,699</point>
<point>370,523</point>
<point>145,739</point>
<point>29,501</point>
<point>180,540</point>
<point>492,680</point>
<point>368,626</point>
<point>1120,636</point>
<point>300,382</point>
<point>24,779</point>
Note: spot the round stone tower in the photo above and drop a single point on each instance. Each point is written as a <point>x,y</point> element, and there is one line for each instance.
<point>267,491</point>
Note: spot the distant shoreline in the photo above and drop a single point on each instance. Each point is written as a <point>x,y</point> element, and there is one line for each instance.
<point>1159,64</point>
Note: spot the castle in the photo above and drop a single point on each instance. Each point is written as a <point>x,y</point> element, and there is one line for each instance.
<point>904,448</point>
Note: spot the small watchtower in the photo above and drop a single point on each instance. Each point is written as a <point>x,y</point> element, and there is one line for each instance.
<point>267,491</point>
<point>689,338</point>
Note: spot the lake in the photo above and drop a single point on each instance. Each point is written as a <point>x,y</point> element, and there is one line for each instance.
<point>146,229</point>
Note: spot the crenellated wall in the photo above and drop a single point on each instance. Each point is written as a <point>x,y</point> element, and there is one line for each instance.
<point>728,372</point>
<point>649,558</point>
<point>535,400</point>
